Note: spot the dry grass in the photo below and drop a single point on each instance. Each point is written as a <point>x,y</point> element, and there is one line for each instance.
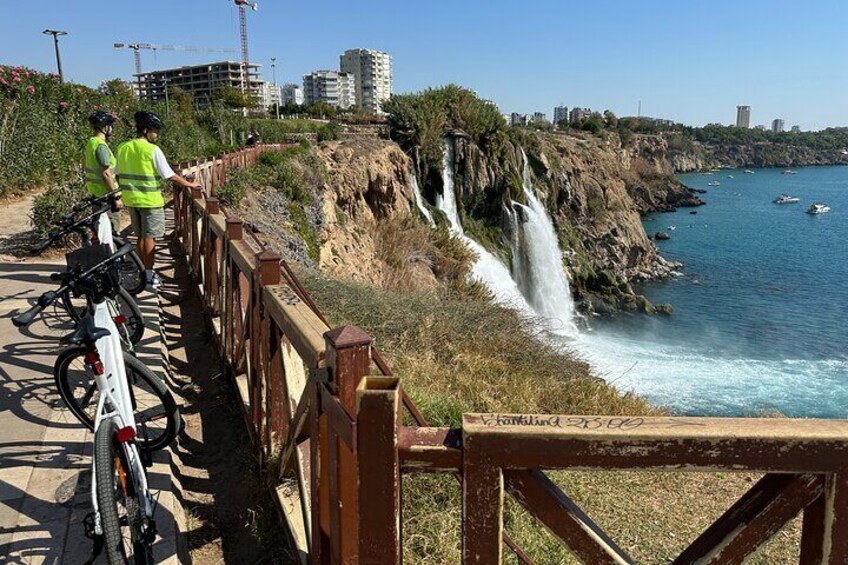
<point>458,355</point>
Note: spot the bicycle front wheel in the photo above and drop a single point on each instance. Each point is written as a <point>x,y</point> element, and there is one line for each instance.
<point>122,517</point>
<point>153,404</point>
<point>131,270</point>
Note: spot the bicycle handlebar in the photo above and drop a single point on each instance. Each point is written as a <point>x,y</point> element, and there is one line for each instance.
<point>69,280</point>
<point>69,224</point>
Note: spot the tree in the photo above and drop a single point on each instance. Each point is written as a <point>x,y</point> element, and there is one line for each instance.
<point>610,119</point>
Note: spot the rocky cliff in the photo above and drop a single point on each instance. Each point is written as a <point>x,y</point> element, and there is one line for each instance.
<point>366,225</point>
<point>699,156</point>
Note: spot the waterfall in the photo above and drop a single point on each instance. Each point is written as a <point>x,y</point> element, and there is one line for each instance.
<point>419,200</point>
<point>488,269</point>
<point>537,261</point>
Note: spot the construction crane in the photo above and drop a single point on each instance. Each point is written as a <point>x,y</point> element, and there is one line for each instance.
<point>137,47</point>
<point>245,59</point>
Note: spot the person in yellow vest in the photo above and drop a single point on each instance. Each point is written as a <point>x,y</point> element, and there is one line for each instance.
<point>141,167</point>
<point>99,163</point>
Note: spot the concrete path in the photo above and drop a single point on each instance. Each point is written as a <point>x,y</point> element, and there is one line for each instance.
<point>44,452</point>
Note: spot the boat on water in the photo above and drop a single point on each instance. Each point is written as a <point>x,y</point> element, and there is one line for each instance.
<point>730,176</point>
<point>789,172</point>
<point>749,172</point>
<point>786,199</point>
<point>817,208</point>
<point>672,228</point>
<point>714,183</point>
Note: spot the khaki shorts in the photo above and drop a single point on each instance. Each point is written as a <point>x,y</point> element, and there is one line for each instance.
<point>148,222</point>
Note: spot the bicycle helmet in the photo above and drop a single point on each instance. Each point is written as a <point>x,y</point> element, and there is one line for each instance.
<point>101,118</point>
<point>145,119</point>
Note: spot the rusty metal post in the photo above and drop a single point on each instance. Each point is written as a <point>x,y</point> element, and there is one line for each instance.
<point>482,506</point>
<point>349,360</point>
<point>836,519</point>
<point>377,432</point>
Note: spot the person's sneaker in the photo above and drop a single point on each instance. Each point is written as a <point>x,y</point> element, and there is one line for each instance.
<point>154,281</point>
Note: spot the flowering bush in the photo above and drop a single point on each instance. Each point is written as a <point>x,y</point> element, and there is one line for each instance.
<point>44,126</point>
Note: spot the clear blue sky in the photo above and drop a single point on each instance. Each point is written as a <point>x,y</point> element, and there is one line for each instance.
<point>691,61</point>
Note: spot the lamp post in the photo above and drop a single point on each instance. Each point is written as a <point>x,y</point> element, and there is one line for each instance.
<point>56,33</point>
<point>274,71</point>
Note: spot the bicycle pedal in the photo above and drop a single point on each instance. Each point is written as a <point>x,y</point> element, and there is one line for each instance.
<point>88,525</point>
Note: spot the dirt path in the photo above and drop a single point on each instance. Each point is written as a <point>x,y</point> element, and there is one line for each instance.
<point>229,514</point>
<point>16,234</point>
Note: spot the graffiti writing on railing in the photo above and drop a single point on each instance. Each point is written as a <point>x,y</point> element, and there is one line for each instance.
<point>580,422</point>
<point>287,296</point>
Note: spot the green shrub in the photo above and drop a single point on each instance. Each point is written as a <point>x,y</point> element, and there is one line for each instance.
<point>329,132</point>
<point>270,158</point>
<point>54,203</point>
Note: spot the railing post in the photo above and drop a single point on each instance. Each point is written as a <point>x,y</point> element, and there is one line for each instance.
<point>267,274</point>
<point>349,360</point>
<point>210,279</point>
<point>377,431</point>
<point>234,233</point>
<point>234,229</point>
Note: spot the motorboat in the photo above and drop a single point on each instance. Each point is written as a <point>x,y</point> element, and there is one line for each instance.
<point>730,176</point>
<point>817,208</point>
<point>672,228</point>
<point>786,199</point>
<point>714,183</point>
<point>749,172</point>
<point>789,172</point>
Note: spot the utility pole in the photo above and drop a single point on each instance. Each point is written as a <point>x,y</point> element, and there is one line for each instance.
<point>279,98</point>
<point>56,33</point>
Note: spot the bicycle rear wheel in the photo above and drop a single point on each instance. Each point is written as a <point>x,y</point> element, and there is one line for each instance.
<point>153,403</point>
<point>131,269</point>
<point>132,323</point>
<point>125,534</point>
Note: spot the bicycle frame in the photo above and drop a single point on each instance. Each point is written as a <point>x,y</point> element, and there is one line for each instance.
<point>115,403</point>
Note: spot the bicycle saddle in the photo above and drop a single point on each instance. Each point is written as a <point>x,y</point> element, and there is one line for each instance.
<point>85,332</point>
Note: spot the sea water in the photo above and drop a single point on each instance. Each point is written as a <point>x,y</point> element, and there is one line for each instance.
<point>760,320</point>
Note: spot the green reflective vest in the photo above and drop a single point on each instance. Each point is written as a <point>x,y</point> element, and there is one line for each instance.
<point>93,171</point>
<point>140,183</point>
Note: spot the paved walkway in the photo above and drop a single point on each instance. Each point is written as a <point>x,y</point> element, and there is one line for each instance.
<point>44,452</point>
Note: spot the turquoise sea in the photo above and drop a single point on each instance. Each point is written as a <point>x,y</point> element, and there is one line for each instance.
<point>761,305</point>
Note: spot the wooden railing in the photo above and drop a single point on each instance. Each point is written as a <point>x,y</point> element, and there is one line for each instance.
<point>337,450</point>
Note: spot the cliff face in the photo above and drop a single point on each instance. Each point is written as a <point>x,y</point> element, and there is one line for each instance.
<point>587,185</point>
<point>700,157</point>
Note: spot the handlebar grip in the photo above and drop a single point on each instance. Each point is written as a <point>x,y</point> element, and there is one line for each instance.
<point>27,317</point>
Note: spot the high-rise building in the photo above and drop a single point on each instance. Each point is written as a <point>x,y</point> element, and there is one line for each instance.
<point>578,114</point>
<point>292,94</point>
<point>777,125</point>
<point>560,114</point>
<point>269,95</point>
<point>743,116</point>
<point>329,87</point>
<point>796,129</point>
<point>373,77</point>
<point>201,81</point>
<point>516,119</point>
<point>540,118</point>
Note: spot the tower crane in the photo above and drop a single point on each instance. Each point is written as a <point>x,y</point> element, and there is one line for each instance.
<point>245,59</point>
<point>137,47</point>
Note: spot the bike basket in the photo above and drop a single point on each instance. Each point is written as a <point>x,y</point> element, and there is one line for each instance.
<point>88,257</point>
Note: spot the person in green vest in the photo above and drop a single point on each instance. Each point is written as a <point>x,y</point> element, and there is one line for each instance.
<point>99,163</point>
<point>141,167</point>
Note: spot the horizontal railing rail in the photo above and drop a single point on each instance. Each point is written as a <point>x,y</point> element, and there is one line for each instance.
<point>332,434</point>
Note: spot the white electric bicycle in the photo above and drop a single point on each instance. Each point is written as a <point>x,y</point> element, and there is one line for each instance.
<point>122,522</point>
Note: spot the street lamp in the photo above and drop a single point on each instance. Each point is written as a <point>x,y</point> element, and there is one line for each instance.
<point>56,33</point>
<point>279,98</point>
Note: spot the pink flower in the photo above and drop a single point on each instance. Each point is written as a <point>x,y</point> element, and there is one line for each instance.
<point>4,82</point>
<point>63,105</point>
<point>31,89</point>
<point>16,78</point>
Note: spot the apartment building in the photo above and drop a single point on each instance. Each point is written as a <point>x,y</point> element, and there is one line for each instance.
<point>201,81</point>
<point>560,114</point>
<point>743,117</point>
<point>579,114</point>
<point>373,77</point>
<point>292,94</point>
<point>777,125</point>
<point>330,87</point>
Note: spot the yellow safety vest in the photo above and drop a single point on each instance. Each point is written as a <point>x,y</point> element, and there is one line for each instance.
<point>140,183</point>
<point>93,171</point>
